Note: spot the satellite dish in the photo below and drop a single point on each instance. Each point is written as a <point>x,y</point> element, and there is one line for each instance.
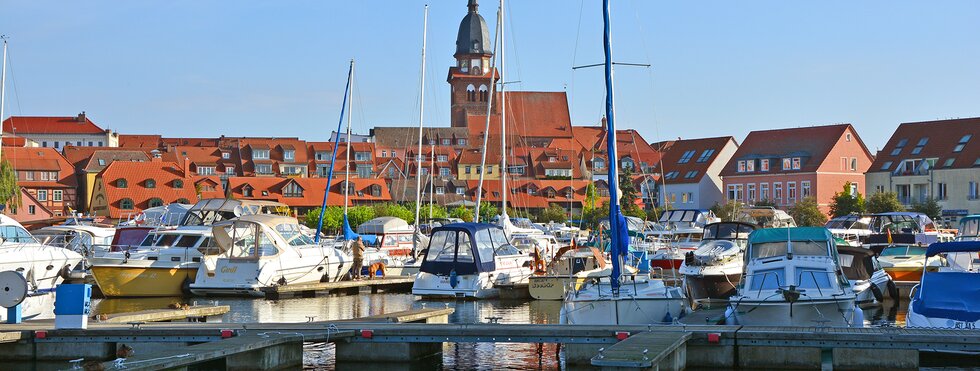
<point>13,289</point>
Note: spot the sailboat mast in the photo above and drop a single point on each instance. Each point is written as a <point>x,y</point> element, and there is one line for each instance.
<point>486,129</point>
<point>418,155</point>
<point>616,248</point>
<point>350,113</point>
<point>333,158</point>
<point>432,174</point>
<point>503,118</point>
<point>3,86</point>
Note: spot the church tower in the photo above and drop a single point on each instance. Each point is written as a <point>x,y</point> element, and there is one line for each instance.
<point>470,77</point>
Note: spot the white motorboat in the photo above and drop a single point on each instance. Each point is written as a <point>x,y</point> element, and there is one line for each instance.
<point>793,278</point>
<point>43,266</point>
<point>686,228</point>
<point>868,279</point>
<point>470,260</point>
<point>947,298</point>
<point>853,229</point>
<point>713,271</point>
<point>261,251</point>
<point>908,228</point>
<point>88,239</point>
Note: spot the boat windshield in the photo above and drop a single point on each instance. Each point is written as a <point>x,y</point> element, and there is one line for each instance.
<point>970,228</point>
<point>246,245</point>
<point>16,234</point>
<point>903,250</point>
<point>293,234</point>
<point>848,223</point>
<point>726,231</point>
<point>779,248</point>
<point>442,247</point>
<point>207,217</point>
<point>500,240</point>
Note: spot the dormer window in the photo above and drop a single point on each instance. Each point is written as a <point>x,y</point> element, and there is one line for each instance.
<point>750,165</point>
<point>741,166</point>
<point>292,190</point>
<point>552,159</point>
<point>150,183</point>
<point>247,191</point>
<point>225,155</point>
<point>121,183</point>
<point>796,163</point>
<point>289,154</point>
<point>686,157</point>
<point>764,164</point>
<point>260,154</point>
<point>446,141</point>
<point>178,184</point>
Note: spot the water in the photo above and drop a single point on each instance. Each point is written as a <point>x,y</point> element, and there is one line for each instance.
<point>462,356</point>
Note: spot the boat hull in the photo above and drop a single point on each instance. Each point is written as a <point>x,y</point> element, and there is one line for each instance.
<point>806,313</point>
<point>623,310</point>
<point>548,287</point>
<point>143,281</point>
<point>910,274</point>
<point>469,286</point>
<point>713,287</point>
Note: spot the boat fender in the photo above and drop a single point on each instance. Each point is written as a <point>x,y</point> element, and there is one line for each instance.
<point>185,286</point>
<point>281,281</point>
<point>453,279</point>
<point>858,317</point>
<point>893,290</point>
<point>65,272</point>
<point>877,293</point>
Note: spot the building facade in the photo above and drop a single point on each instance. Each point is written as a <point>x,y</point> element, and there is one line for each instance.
<point>58,132</point>
<point>691,172</point>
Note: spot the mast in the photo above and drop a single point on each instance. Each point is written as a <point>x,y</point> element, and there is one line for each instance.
<point>432,174</point>
<point>418,155</point>
<point>617,244</point>
<point>486,129</point>
<point>350,103</point>
<point>333,158</point>
<point>503,120</point>
<point>3,85</point>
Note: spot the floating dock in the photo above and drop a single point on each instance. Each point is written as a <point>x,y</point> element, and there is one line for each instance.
<point>388,284</point>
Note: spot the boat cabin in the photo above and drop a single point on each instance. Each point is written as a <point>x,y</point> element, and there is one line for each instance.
<point>394,235</point>
<point>253,237</point>
<point>687,219</point>
<point>857,263</point>
<point>765,217</point>
<point>802,257</point>
<point>466,248</point>
<point>209,211</point>
<point>969,228</point>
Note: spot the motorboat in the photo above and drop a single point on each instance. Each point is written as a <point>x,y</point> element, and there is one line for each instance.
<point>470,260</point>
<point>164,262</point>
<point>686,228</point>
<point>539,244</point>
<point>946,298</point>
<point>394,235</point>
<point>43,266</point>
<point>86,238</point>
<point>765,217</point>
<point>166,215</point>
<point>909,228</point>
<point>853,229</point>
<point>632,299</point>
<point>566,268</point>
<point>261,251</point>
<point>793,277</point>
<point>905,262</point>
<point>868,279</point>
<point>969,230</point>
<point>713,271</point>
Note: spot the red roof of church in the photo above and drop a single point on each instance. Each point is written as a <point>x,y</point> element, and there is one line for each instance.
<point>529,114</point>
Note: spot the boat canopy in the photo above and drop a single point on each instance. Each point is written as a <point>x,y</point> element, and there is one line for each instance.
<point>856,262</point>
<point>255,236</point>
<point>850,221</point>
<point>969,227</point>
<point>466,248</point>
<point>955,246</point>
<point>952,295</point>
<point>728,231</point>
<point>764,243</point>
<point>686,218</point>
<point>383,225</point>
<point>902,222</point>
<point>765,217</point>
<point>212,210</point>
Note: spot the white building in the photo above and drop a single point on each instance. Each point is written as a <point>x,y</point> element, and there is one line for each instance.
<point>690,171</point>
<point>58,132</point>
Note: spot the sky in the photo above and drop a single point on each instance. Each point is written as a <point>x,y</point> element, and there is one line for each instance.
<point>278,68</point>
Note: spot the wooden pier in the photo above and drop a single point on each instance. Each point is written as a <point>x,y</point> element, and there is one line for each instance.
<point>388,284</point>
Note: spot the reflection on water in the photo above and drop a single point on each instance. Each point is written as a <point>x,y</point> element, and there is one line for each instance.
<point>463,356</point>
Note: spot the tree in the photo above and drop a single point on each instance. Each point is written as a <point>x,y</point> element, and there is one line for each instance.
<point>553,213</point>
<point>591,196</point>
<point>807,213</point>
<point>9,190</point>
<point>930,207</point>
<point>727,211</point>
<point>395,210</point>
<point>592,217</point>
<point>357,215</point>
<point>883,202</point>
<point>487,211</point>
<point>462,212</point>
<point>845,203</point>
<point>627,198</point>
<point>332,219</point>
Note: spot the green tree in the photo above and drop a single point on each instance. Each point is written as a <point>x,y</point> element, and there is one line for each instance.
<point>487,211</point>
<point>727,211</point>
<point>807,213</point>
<point>437,211</point>
<point>591,219</point>
<point>930,207</point>
<point>357,215</point>
<point>462,212</point>
<point>9,190</point>
<point>332,219</point>
<point>883,202</point>
<point>395,210</point>
<point>553,213</point>
<point>846,203</point>
<point>628,196</point>
<point>591,196</point>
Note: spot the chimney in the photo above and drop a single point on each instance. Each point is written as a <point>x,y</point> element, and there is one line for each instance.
<point>187,167</point>
<point>603,121</point>
<point>81,117</point>
<point>156,156</point>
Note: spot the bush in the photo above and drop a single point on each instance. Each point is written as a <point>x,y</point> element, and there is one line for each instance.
<point>553,213</point>
<point>462,212</point>
<point>395,210</point>
<point>930,207</point>
<point>845,203</point>
<point>726,212</point>
<point>883,202</point>
<point>807,213</point>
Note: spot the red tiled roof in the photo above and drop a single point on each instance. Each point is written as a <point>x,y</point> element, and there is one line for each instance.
<point>50,125</point>
<point>136,175</point>
<point>812,144</point>
<point>520,199</point>
<point>312,190</point>
<point>677,149</point>
<point>629,143</point>
<point>473,157</point>
<point>529,114</point>
<point>944,136</point>
<point>10,140</point>
<point>41,159</point>
<point>141,141</point>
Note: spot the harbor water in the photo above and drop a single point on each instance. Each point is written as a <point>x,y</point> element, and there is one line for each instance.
<point>456,356</point>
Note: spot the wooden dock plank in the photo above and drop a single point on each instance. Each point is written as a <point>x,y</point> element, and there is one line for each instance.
<point>277,292</point>
<point>644,349</point>
<point>405,316</point>
<point>161,315</point>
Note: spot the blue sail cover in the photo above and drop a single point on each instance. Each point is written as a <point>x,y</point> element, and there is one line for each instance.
<point>955,246</point>
<point>951,295</point>
<point>350,235</point>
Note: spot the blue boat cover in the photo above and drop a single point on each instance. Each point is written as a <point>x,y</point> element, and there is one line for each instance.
<point>955,246</point>
<point>445,268</point>
<point>350,235</point>
<point>951,295</point>
<point>794,234</point>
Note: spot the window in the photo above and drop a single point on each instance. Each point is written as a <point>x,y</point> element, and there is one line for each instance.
<point>321,156</point>
<point>941,191</point>
<point>126,204</point>
<point>751,191</point>
<point>750,165</point>
<point>552,159</point>
<point>289,154</point>
<point>787,164</point>
<point>706,155</point>
<point>362,156</point>
<point>364,171</point>
<point>796,163</point>
<point>42,195</point>
<point>805,189</point>
<point>467,169</point>
<point>671,175</point>
<point>471,93</point>
<point>44,175</point>
<point>777,192</point>
<point>949,162</point>
<point>383,154</point>
<point>89,144</point>
<point>155,202</point>
<point>247,191</point>
<point>394,153</point>
<point>735,192</point>
<point>292,190</point>
<point>31,209</point>
<point>28,175</point>
<point>847,137</point>
<point>56,195</point>
<point>763,191</point>
<point>43,144</point>
<point>260,154</point>
<point>973,190</point>
<point>691,174</point>
<point>741,166</point>
<point>490,170</point>
<point>205,170</point>
<point>444,172</point>
<point>461,142</point>
<point>896,151</point>
<point>100,144</point>
<point>56,144</point>
<point>460,190</point>
<point>263,169</point>
<point>886,165</point>
<point>178,184</point>
<point>627,163</point>
<point>598,164</point>
<point>854,191</point>
<point>121,183</point>
<point>791,191</point>
<point>962,143</point>
<point>446,141</point>
<point>150,183</point>
<point>229,169</point>
<point>225,155</point>
<point>764,164</point>
<point>375,190</point>
<point>854,163</point>
<point>79,143</point>
<point>440,190</point>
<point>920,145</point>
<point>442,158</point>
<point>686,157</point>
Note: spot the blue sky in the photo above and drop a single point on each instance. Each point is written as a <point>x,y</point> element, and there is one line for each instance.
<point>277,68</point>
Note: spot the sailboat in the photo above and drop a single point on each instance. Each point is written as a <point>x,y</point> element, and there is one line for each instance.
<point>618,299</point>
<point>43,266</point>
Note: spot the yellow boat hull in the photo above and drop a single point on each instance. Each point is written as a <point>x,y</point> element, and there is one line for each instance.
<point>123,281</point>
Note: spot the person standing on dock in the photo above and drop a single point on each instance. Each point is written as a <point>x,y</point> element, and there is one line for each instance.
<point>358,251</point>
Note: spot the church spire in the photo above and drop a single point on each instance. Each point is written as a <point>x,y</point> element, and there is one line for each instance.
<point>474,7</point>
